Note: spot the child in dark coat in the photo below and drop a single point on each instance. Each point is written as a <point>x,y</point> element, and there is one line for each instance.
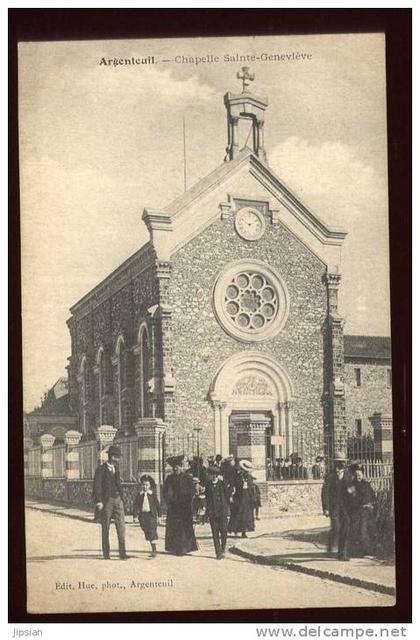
<point>147,509</point>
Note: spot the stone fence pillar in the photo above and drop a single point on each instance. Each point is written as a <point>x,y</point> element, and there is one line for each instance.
<point>27,444</point>
<point>105,435</point>
<point>47,441</point>
<point>251,442</point>
<point>382,434</point>
<point>150,433</point>
<point>72,456</point>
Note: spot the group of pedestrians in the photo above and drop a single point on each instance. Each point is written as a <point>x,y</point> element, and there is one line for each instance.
<point>294,468</point>
<point>348,500</point>
<point>224,494</point>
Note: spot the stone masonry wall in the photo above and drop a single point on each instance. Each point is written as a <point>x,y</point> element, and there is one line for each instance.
<point>283,498</point>
<point>120,314</point>
<point>373,395</point>
<point>73,492</point>
<point>201,345</point>
<point>278,498</point>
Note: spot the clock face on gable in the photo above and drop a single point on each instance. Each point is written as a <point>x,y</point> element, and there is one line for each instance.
<point>249,223</point>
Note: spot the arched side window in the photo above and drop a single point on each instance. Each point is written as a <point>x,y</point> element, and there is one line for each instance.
<point>144,371</point>
<point>101,381</point>
<point>101,363</point>
<point>120,356</point>
<point>83,394</point>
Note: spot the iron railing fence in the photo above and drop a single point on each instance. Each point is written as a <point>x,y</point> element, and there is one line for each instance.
<point>129,457</point>
<point>88,459</point>
<point>305,447</point>
<point>58,461</point>
<point>174,445</point>
<point>34,461</point>
<point>380,474</point>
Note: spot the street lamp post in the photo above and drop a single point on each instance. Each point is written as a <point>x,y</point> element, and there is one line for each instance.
<point>197,430</point>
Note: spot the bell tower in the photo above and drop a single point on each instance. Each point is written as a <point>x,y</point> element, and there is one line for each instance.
<point>245,106</point>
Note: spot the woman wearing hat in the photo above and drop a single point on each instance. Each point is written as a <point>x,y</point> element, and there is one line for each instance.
<point>242,512</point>
<point>178,493</point>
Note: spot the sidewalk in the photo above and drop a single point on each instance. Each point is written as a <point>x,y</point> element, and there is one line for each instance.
<point>297,543</point>
<point>303,549</point>
<point>85,514</point>
<point>59,509</point>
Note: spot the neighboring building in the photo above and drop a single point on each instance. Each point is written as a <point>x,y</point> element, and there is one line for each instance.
<point>368,381</point>
<point>226,319</point>
<point>53,416</point>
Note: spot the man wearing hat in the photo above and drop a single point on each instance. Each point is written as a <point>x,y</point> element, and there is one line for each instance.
<point>335,506</point>
<point>227,469</point>
<point>318,469</point>
<point>218,509</point>
<point>108,497</point>
<point>218,461</point>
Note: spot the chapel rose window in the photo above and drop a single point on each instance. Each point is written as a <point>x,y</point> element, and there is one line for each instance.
<point>250,300</point>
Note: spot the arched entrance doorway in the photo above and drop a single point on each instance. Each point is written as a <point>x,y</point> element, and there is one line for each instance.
<point>252,396</point>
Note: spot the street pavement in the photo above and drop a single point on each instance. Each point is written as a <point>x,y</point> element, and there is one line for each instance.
<point>66,573</point>
<point>303,550</point>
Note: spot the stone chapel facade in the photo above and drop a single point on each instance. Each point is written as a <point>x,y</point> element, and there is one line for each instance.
<point>226,319</point>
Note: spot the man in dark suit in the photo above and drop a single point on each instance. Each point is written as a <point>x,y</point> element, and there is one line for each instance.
<point>335,505</point>
<point>218,509</point>
<point>108,497</point>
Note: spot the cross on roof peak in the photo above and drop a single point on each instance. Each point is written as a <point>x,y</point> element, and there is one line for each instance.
<point>246,78</point>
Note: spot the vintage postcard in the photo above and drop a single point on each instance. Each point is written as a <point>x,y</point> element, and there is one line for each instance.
<point>206,324</point>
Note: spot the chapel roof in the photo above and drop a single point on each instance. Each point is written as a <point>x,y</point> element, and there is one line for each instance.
<point>244,157</point>
<point>368,347</point>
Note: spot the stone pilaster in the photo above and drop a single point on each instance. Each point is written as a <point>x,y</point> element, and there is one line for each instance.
<point>259,140</point>
<point>72,459</point>
<point>234,121</point>
<point>47,441</point>
<point>150,432</point>
<point>164,380</point>
<point>335,413</point>
<point>251,442</point>
<point>104,435</point>
<point>382,433</point>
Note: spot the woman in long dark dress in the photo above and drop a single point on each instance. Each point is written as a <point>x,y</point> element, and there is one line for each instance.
<point>242,512</point>
<point>178,493</point>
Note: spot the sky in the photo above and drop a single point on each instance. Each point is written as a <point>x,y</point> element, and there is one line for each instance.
<point>99,142</point>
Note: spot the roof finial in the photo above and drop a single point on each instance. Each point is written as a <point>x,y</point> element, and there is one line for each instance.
<point>246,78</point>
